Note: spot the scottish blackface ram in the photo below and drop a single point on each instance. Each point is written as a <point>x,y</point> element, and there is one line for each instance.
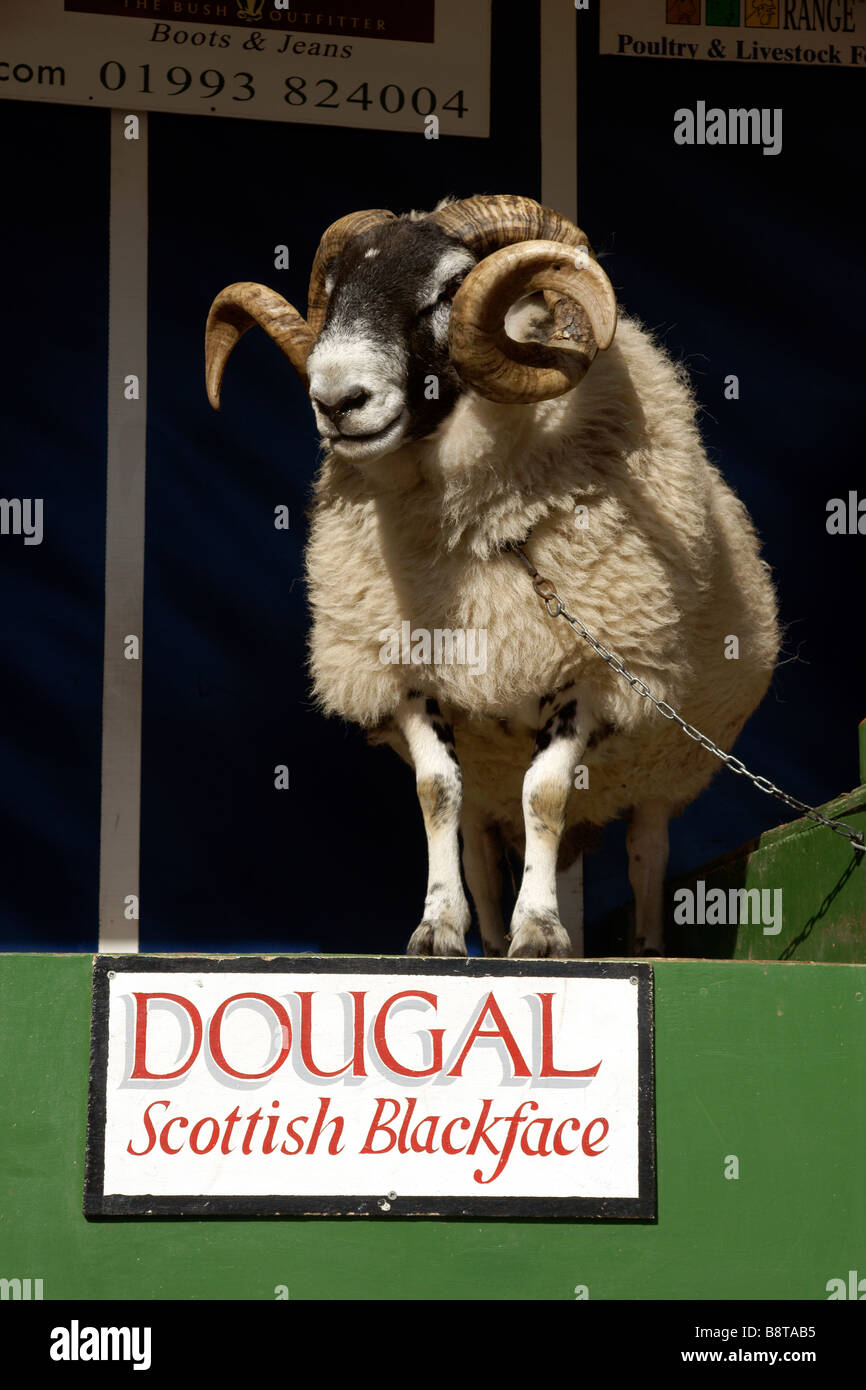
<point>473,392</point>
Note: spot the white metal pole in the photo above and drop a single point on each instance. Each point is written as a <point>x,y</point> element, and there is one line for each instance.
<point>559,190</point>
<point>559,106</point>
<point>124,537</point>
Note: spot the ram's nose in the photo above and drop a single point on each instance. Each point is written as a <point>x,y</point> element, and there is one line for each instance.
<point>339,403</point>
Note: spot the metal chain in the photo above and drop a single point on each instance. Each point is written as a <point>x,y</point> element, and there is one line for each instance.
<point>555,609</point>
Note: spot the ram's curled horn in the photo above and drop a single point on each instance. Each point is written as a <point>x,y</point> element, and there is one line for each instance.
<point>236,309</point>
<point>334,240</point>
<point>584,316</point>
<point>526,249</point>
<point>487,222</point>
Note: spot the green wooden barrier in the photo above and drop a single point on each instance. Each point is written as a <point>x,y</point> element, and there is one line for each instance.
<point>761,1061</point>
<point>821,881</point>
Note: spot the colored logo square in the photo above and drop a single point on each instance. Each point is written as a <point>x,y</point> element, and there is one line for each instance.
<point>683,11</point>
<point>723,12</point>
<point>762,14</point>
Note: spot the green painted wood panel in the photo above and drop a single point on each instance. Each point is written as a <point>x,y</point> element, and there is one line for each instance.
<point>821,882</point>
<point>765,1061</point>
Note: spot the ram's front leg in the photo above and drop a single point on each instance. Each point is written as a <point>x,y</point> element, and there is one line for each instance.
<point>559,743</point>
<point>440,790</point>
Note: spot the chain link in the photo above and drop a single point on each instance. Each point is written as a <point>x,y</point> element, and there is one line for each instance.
<point>555,609</point>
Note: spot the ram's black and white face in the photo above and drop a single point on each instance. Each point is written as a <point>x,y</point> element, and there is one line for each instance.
<point>380,373</point>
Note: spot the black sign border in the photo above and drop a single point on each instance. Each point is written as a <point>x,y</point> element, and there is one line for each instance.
<point>98,1204</point>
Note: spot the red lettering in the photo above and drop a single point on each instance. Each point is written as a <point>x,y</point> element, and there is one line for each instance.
<point>358,1068</point>
<point>381,1043</point>
<point>587,1143</point>
<point>247,1145</point>
<point>268,1145</point>
<point>541,1151</point>
<point>216,1045</point>
<point>195,1134</point>
<point>334,1145</point>
<point>514,1122</point>
<point>547,1067</point>
<point>163,1138</point>
<point>151,1132</point>
<point>381,1102</point>
<point>232,1119</point>
<point>139,1069</point>
<point>294,1136</point>
<point>558,1145</point>
<point>500,1031</point>
<point>402,1146</point>
<point>356,1061</point>
<point>481,1130</point>
<point>446,1134</point>
<point>427,1145</point>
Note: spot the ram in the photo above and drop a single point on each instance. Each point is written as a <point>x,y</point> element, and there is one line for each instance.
<point>482,412</point>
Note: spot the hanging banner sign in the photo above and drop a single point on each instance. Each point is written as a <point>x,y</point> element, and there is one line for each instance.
<point>802,33</point>
<point>310,1085</point>
<point>377,64</point>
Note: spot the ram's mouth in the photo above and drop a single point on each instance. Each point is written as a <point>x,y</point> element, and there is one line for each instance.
<point>363,445</point>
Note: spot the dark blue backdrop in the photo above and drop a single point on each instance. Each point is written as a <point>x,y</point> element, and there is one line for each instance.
<point>743,263</point>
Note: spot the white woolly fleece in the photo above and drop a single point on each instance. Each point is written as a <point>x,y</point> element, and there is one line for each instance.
<point>667,569</point>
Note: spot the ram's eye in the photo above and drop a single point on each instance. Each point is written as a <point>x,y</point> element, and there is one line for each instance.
<point>444,297</point>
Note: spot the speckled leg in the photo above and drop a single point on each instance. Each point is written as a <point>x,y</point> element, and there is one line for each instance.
<point>440,788</point>
<point>536,929</point>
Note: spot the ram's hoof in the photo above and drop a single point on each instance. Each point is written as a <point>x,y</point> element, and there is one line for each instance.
<point>648,948</point>
<point>436,939</point>
<point>540,938</point>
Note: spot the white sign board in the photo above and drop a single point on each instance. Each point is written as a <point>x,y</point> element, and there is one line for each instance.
<point>326,1085</point>
<point>791,33</point>
<point>377,64</point>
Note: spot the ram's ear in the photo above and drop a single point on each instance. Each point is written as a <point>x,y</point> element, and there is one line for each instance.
<point>544,318</point>
<point>531,320</point>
